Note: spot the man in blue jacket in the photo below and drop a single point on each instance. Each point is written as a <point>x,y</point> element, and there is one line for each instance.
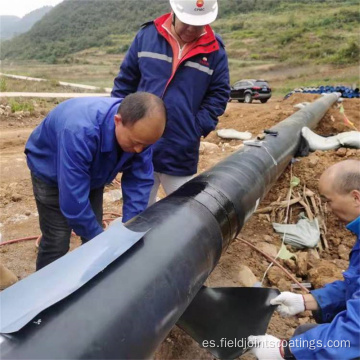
<point>336,306</point>
<point>79,148</point>
<point>179,58</point>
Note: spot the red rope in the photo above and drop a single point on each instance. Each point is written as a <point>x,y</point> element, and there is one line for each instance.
<point>106,223</point>
<point>271,259</point>
<point>38,238</point>
<point>18,240</point>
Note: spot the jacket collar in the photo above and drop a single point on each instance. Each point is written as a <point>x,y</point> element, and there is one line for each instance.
<point>207,42</point>
<point>107,128</point>
<point>354,226</point>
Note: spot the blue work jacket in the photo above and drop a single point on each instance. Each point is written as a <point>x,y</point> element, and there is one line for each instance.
<point>195,93</point>
<point>75,149</point>
<point>339,304</point>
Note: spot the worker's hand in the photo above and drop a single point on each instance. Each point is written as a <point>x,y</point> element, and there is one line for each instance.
<point>289,304</point>
<point>265,347</point>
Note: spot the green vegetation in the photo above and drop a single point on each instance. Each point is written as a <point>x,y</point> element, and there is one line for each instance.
<point>320,32</point>
<point>73,26</point>
<point>290,43</point>
<point>21,106</point>
<point>3,85</point>
<point>290,31</point>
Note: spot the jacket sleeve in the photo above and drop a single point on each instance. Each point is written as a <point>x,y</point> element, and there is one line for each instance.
<point>337,340</point>
<point>74,158</point>
<point>127,81</point>
<point>216,98</point>
<point>331,300</point>
<point>136,184</point>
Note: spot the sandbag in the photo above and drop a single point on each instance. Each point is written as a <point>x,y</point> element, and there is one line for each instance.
<point>346,139</point>
<point>234,134</point>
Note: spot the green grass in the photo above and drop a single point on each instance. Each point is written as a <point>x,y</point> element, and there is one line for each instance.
<point>316,32</point>
<point>21,106</point>
<point>319,31</point>
<point>3,85</point>
<point>281,76</point>
<point>291,45</point>
<point>91,69</point>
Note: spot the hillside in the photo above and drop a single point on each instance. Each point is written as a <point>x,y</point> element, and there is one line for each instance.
<point>11,26</point>
<point>290,43</point>
<point>297,31</point>
<point>320,31</point>
<point>76,25</point>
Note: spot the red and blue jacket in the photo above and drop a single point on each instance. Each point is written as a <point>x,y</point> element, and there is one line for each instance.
<point>75,149</point>
<point>339,304</point>
<point>195,94</point>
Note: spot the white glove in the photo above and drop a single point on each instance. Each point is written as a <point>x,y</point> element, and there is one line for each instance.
<point>289,304</point>
<point>265,347</point>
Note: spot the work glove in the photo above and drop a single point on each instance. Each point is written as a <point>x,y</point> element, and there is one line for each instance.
<point>265,347</point>
<point>289,304</point>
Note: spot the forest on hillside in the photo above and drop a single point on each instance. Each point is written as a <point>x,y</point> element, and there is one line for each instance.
<point>282,30</point>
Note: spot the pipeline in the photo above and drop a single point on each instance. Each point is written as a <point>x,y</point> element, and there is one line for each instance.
<point>126,311</point>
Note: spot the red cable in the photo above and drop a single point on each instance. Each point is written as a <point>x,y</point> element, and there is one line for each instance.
<point>18,240</point>
<point>271,259</point>
<point>38,238</point>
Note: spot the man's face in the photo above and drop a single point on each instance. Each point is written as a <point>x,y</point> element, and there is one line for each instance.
<point>143,133</point>
<point>344,206</point>
<point>187,33</point>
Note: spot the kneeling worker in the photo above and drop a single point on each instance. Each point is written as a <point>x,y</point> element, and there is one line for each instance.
<point>336,306</point>
<point>79,148</point>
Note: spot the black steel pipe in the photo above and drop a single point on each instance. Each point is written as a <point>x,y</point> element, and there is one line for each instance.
<point>126,311</point>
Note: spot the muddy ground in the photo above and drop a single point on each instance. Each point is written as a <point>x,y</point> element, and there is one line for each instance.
<point>18,216</point>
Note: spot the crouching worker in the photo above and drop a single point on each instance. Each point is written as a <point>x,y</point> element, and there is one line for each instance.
<point>336,306</point>
<point>79,148</point>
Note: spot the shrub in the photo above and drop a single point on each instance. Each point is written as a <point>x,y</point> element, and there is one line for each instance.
<point>348,54</point>
<point>3,86</point>
<point>21,106</point>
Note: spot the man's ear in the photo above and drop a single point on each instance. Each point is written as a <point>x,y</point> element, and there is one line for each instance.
<point>117,119</point>
<point>356,196</point>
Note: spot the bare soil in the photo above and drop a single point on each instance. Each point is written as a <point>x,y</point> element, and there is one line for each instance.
<point>19,218</point>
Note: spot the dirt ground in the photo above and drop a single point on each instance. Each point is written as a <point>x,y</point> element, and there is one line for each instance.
<point>19,218</point>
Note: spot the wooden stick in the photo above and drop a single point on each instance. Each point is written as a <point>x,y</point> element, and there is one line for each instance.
<point>278,204</point>
<point>308,211</point>
<point>313,202</point>
<point>281,215</point>
<point>305,198</point>
<point>324,240</point>
<point>311,195</point>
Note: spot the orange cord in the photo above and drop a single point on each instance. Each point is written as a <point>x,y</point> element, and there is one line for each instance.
<point>106,223</point>
<point>275,262</point>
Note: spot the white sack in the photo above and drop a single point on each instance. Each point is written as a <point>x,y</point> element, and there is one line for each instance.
<point>234,134</point>
<point>346,139</point>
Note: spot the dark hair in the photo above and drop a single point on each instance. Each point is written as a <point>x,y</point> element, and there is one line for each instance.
<point>136,106</point>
